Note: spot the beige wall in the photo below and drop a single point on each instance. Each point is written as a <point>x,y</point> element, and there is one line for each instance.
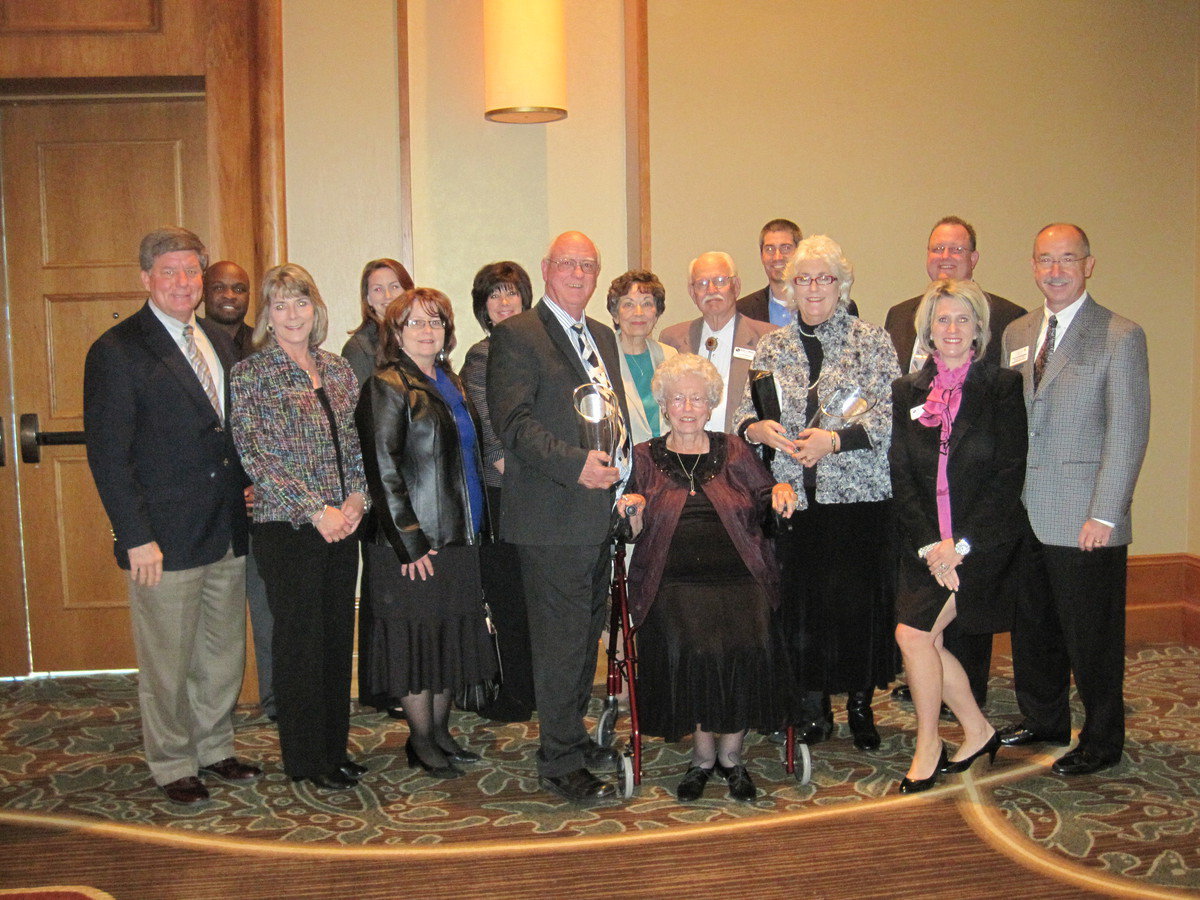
<point>864,121</point>
<point>871,127</point>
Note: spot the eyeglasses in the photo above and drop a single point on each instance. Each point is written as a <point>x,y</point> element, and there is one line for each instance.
<point>719,282</point>
<point>805,280</point>
<point>568,264</point>
<point>780,249</point>
<point>417,324</point>
<point>1065,261</point>
<point>680,401</point>
<point>955,250</point>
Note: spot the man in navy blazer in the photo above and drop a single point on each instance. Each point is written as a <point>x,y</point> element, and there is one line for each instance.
<point>557,502</point>
<point>1087,390</point>
<point>951,252</point>
<point>155,410</point>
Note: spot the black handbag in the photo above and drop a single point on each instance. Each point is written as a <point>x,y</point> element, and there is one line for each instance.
<point>482,694</point>
<point>766,405</point>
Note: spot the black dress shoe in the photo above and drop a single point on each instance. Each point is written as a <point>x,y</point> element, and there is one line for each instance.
<point>597,757</point>
<point>954,766</point>
<point>862,720</point>
<point>331,781</point>
<point>1022,734</point>
<point>414,761</point>
<point>916,785</point>
<point>580,786</point>
<point>738,779</point>
<point>188,791</point>
<point>902,693</point>
<point>351,769</point>
<point>396,712</point>
<point>1083,762</point>
<point>691,786</point>
<point>461,755</point>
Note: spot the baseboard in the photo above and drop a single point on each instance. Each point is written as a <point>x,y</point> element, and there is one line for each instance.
<point>1163,598</point>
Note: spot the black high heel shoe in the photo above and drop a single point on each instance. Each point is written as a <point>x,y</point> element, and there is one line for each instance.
<point>415,761</point>
<point>351,769</point>
<point>990,748</point>
<point>916,785</point>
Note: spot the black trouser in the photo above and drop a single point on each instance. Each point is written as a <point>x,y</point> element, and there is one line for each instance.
<point>1072,622</point>
<point>566,589</point>
<point>310,589</point>
<point>974,653</point>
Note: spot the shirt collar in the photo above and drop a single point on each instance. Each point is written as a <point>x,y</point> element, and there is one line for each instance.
<point>172,324</point>
<point>1064,317</point>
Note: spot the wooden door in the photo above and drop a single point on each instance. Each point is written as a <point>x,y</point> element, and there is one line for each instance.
<point>83,182</point>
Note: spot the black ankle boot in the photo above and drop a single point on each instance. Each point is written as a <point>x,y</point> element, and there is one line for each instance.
<point>862,720</point>
<point>816,718</point>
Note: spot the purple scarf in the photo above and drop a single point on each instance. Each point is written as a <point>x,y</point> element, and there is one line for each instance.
<point>941,406</point>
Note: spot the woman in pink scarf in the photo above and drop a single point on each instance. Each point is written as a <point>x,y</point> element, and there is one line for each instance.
<point>958,466</point>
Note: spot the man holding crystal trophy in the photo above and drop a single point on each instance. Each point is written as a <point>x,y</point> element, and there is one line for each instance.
<point>824,419</point>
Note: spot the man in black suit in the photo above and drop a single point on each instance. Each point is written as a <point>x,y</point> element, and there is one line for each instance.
<point>226,302</point>
<point>155,408</point>
<point>951,253</point>
<point>557,501</point>
<point>776,243</point>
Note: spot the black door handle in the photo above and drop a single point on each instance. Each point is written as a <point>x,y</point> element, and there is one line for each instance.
<point>32,439</point>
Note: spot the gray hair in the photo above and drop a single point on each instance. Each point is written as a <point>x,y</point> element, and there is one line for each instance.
<point>681,366</point>
<point>170,239</point>
<point>971,295</point>
<point>721,254</point>
<point>825,249</point>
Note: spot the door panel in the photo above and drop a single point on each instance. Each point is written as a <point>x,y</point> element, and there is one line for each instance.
<point>82,183</point>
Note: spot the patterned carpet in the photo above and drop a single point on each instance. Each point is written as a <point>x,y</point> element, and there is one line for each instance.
<point>69,749</point>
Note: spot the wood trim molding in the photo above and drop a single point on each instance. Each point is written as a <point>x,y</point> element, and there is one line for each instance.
<point>405,136</point>
<point>271,235</point>
<point>1163,598</point>
<point>637,134</point>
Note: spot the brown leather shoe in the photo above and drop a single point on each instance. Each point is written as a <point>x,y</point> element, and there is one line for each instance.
<point>230,769</point>
<point>186,791</point>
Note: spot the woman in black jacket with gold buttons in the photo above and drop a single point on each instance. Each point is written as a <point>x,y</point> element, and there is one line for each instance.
<point>421,454</point>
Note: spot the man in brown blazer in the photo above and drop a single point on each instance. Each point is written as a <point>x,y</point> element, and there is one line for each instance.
<point>721,334</point>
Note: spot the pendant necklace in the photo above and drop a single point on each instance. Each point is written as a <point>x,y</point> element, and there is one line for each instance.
<point>690,475</point>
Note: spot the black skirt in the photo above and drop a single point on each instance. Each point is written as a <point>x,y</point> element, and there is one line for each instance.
<point>427,635</point>
<point>710,651</point>
<point>835,604</point>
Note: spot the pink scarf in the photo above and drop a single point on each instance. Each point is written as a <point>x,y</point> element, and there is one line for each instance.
<point>941,407</point>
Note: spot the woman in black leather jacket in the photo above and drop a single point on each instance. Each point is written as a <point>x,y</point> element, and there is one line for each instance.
<point>421,454</point>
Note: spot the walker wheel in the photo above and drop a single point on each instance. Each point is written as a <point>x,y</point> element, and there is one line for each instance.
<point>606,725</point>
<point>803,760</point>
<point>625,785</point>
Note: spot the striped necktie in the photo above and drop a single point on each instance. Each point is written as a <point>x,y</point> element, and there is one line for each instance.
<point>196,358</point>
<point>1043,357</point>
<point>599,377</point>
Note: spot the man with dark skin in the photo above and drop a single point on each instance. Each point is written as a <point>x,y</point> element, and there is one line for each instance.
<point>226,302</point>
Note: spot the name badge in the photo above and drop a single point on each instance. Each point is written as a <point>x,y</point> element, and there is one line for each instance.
<point>916,412</point>
<point>744,352</point>
<point>1018,356</point>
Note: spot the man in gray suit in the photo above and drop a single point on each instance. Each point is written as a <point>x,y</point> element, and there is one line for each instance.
<point>722,335</point>
<point>1087,391</point>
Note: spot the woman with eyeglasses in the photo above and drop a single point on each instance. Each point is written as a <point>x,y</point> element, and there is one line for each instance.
<point>500,291</point>
<point>703,583</point>
<point>420,442</point>
<point>635,302</point>
<point>834,603</point>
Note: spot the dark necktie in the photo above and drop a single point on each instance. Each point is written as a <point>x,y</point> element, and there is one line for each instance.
<point>196,358</point>
<point>1043,357</point>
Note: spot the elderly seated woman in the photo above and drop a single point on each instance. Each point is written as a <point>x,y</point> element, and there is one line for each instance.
<point>703,583</point>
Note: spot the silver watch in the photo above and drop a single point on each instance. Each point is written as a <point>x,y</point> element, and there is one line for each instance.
<point>962,547</point>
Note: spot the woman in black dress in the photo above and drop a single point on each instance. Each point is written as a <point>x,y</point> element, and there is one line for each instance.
<point>703,583</point>
<point>421,455</point>
<point>958,466</point>
<point>500,291</point>
<point>381,282</point>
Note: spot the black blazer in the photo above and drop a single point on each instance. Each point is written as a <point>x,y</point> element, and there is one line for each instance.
<point>164,464</point>
<point>986,465</point>
<point>414,463</point>
<point>533,369</point>
<point>902,330</point>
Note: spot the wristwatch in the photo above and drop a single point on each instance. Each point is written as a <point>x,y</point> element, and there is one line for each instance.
<point>962,547</point>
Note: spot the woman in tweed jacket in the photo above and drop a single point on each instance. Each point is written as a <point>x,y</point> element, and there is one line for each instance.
<point>834,606</point>
<point>293,423</point>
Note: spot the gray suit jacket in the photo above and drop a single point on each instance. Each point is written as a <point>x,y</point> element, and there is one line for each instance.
<point>685,337</point>
<point>1089,422</point>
